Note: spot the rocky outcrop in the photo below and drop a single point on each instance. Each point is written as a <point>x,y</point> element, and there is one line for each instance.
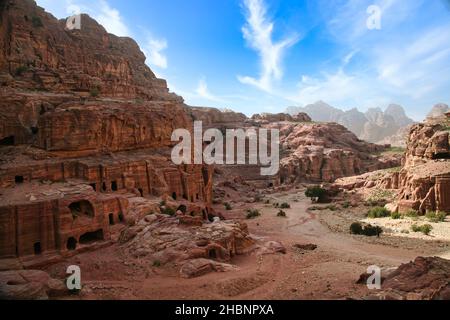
<point>422,279</point>
<point>39,53</point>
<point>30,285</point>
<point>422,183</point>
<point>269,117</point>
<point>212,117</point>
<point>424,180</point>
<point>438,111</point>
<point>325,152</point>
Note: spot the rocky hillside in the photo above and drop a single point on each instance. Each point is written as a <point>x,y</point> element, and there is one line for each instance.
<point>423,182</point>
<point>375,125</point>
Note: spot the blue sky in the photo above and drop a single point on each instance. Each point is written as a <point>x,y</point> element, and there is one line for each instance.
<point>258,56</point>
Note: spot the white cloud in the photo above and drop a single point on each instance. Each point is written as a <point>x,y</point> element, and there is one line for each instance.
<point>112,20</point>
<point>153,51</point>
<point>203,92</point>
<point>258,34</point>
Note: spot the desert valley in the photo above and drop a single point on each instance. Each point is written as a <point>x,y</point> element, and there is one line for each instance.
<point>87,180</point>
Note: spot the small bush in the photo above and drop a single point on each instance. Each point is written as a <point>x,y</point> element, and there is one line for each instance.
<point>21,70</point>
<point>228,206</point>
<point>356,228</point>
<point>37,22</point>
<point>168,211</point>
<point>253,213</point>
<point>436,216</point>
<point>378,212</point>
<point>368,230</point>
<point>425,229</point>
<point>162,203</point>
<point>412,214</point>
<point>157,263</point>
<point>316,193</point>
<point>285,205</point>
<point>346,205</point>
<point>396,215</point>
<point>281,213</point>
<point>94,92</point>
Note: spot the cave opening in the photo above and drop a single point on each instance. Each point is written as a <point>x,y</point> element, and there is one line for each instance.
<point>121,217</point>
<point>114,186</point>
<point>111,219</point>
<point>141,191</point>
<point>94,186</point>
<point>91,237</point>
<point>71,243</point>
<point>174,196</point>
<point>104,187</point>
<point>37,248</point>
<point>8,141</point>
<point>82,207</point>
<point>212,254</point>
<point>182,208</point>
<point>18,179</point>
<point>442,155</point>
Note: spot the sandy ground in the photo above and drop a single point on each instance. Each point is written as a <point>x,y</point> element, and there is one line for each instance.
<point>329,272</point>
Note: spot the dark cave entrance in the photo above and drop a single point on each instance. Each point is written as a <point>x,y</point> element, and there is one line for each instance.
<point>114,186</point>
<point>8,141</point>
<point>212,254</point>
<point>18,179</point>
<point>174,196</point>
<point>182,208</point>
<point>37,248</point>
<point>121,217</point>
<point>111,219</point>
<point>71,243</point>
<point>82,207</point>
<point>443,155</point>
<point>91,237</point>
<point>141,191</point>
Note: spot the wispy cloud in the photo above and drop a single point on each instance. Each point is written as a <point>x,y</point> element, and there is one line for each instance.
<point>111,19</point>
<point>203,92</point>
<point>258,33</point>
<point>153,50</point>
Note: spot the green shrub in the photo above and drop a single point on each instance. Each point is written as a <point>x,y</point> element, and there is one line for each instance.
<point>378,212</point>
<point>253,213</point>
<point>332,207</point>
<point>157,263</point>
<point>20,70</point>
<point>346,204</point>
<point>281,213</point>
<point>396,215</point>
<point>412,214</point>
<point>94,92</point>
<point>368,230</point>
<point>37,22</point>
<point>436,216</point>
<point>168,211</point>
<point>356,228</point>
<point>228,206</point>
<point>285,205</point>
<point>316,193</point>
<point>162,203</point>
<point>425,229</point>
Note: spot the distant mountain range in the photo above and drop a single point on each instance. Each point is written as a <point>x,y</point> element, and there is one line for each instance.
<point>375,125</point>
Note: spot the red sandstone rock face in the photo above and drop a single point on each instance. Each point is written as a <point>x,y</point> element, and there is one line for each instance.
<point>424,181</point>
<point>216,118</point>
<point>325,152</point>
<point>85,131</point>
<point>101,126</point>
<point>422,279</point>
<point>40,54</point>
